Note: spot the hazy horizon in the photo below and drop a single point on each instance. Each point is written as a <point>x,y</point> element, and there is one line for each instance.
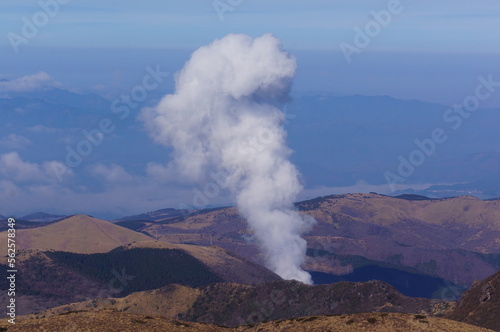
<point>412,51</point>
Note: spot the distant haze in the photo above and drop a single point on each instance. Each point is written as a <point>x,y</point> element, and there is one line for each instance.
<point>444,78</point>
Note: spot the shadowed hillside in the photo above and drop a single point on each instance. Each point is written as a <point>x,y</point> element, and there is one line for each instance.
<point>231,304</point>
<point>144,268</point>
<point>53,278</point>
<point>480,305</point>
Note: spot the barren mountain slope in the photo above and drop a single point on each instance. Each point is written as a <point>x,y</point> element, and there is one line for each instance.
<point>80,233</point>
<point>53,278</point>
<point>457,239</point>
<point>234,304</point>
<point>480,305</point>
<point>112,321</point>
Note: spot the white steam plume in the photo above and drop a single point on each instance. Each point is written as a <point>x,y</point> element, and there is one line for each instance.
<point>222,118</point>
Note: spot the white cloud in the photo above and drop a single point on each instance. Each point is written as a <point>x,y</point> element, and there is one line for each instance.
<point>117,201</point>
<point>28,187</point>
<point>15,142</point>
<point>168,173</point>
<point>28,83</point>
<point>39,129</point>
<point>100,88</point>
<point>111,173</point>
<point>13,168</point>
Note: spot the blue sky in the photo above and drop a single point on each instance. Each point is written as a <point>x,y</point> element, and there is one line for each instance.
<point>433,51</point>
<point>426,26</point>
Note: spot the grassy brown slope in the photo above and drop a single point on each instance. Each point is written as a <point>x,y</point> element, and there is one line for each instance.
<point>464,222</point>
<point>383,210</point>
<point>51,279</point>
<point>105,321</point>
<point>169,301</point>
<point>457,239</point>
<point>480,305</point>
<point>112,321</point>
<point>370,322</point>
<point>79,234</point>
<point>234,304</point>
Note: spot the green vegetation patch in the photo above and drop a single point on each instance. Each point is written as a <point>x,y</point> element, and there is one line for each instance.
<point>138,269</point>
<point>135,225</point>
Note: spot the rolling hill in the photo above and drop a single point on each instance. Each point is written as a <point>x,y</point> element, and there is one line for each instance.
<point>232,304</point>
<point>455,239</point>
<point>229,266</point>
<point>53,278</point>
<point>79,234</point>
<point>82,234</point>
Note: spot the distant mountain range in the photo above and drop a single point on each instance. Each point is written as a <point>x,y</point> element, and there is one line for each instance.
<point>158,216</point>
<point>20,224</point>
<point>341,140</point>
<point>404,240</point>
<point>453,239</point>
<point>484,188</point>
<point>337,140</point>
<point>82,264</point>
<point>42,217</point>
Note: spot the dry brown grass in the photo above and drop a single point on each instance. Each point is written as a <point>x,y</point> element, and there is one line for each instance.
<point>79,234</point>
<point>383,210</point>
<point>208,255</point>
<point>166,302</point>
<point>105,321</point>
<point>369,322</point>
<point>111,321</point>
<point>435,237</point>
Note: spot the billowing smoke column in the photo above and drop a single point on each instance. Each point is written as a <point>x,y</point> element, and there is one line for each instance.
<point>222,118</point>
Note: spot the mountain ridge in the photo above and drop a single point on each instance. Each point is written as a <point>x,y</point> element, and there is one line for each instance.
<point>456,239</point>
<point>232,304</point>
